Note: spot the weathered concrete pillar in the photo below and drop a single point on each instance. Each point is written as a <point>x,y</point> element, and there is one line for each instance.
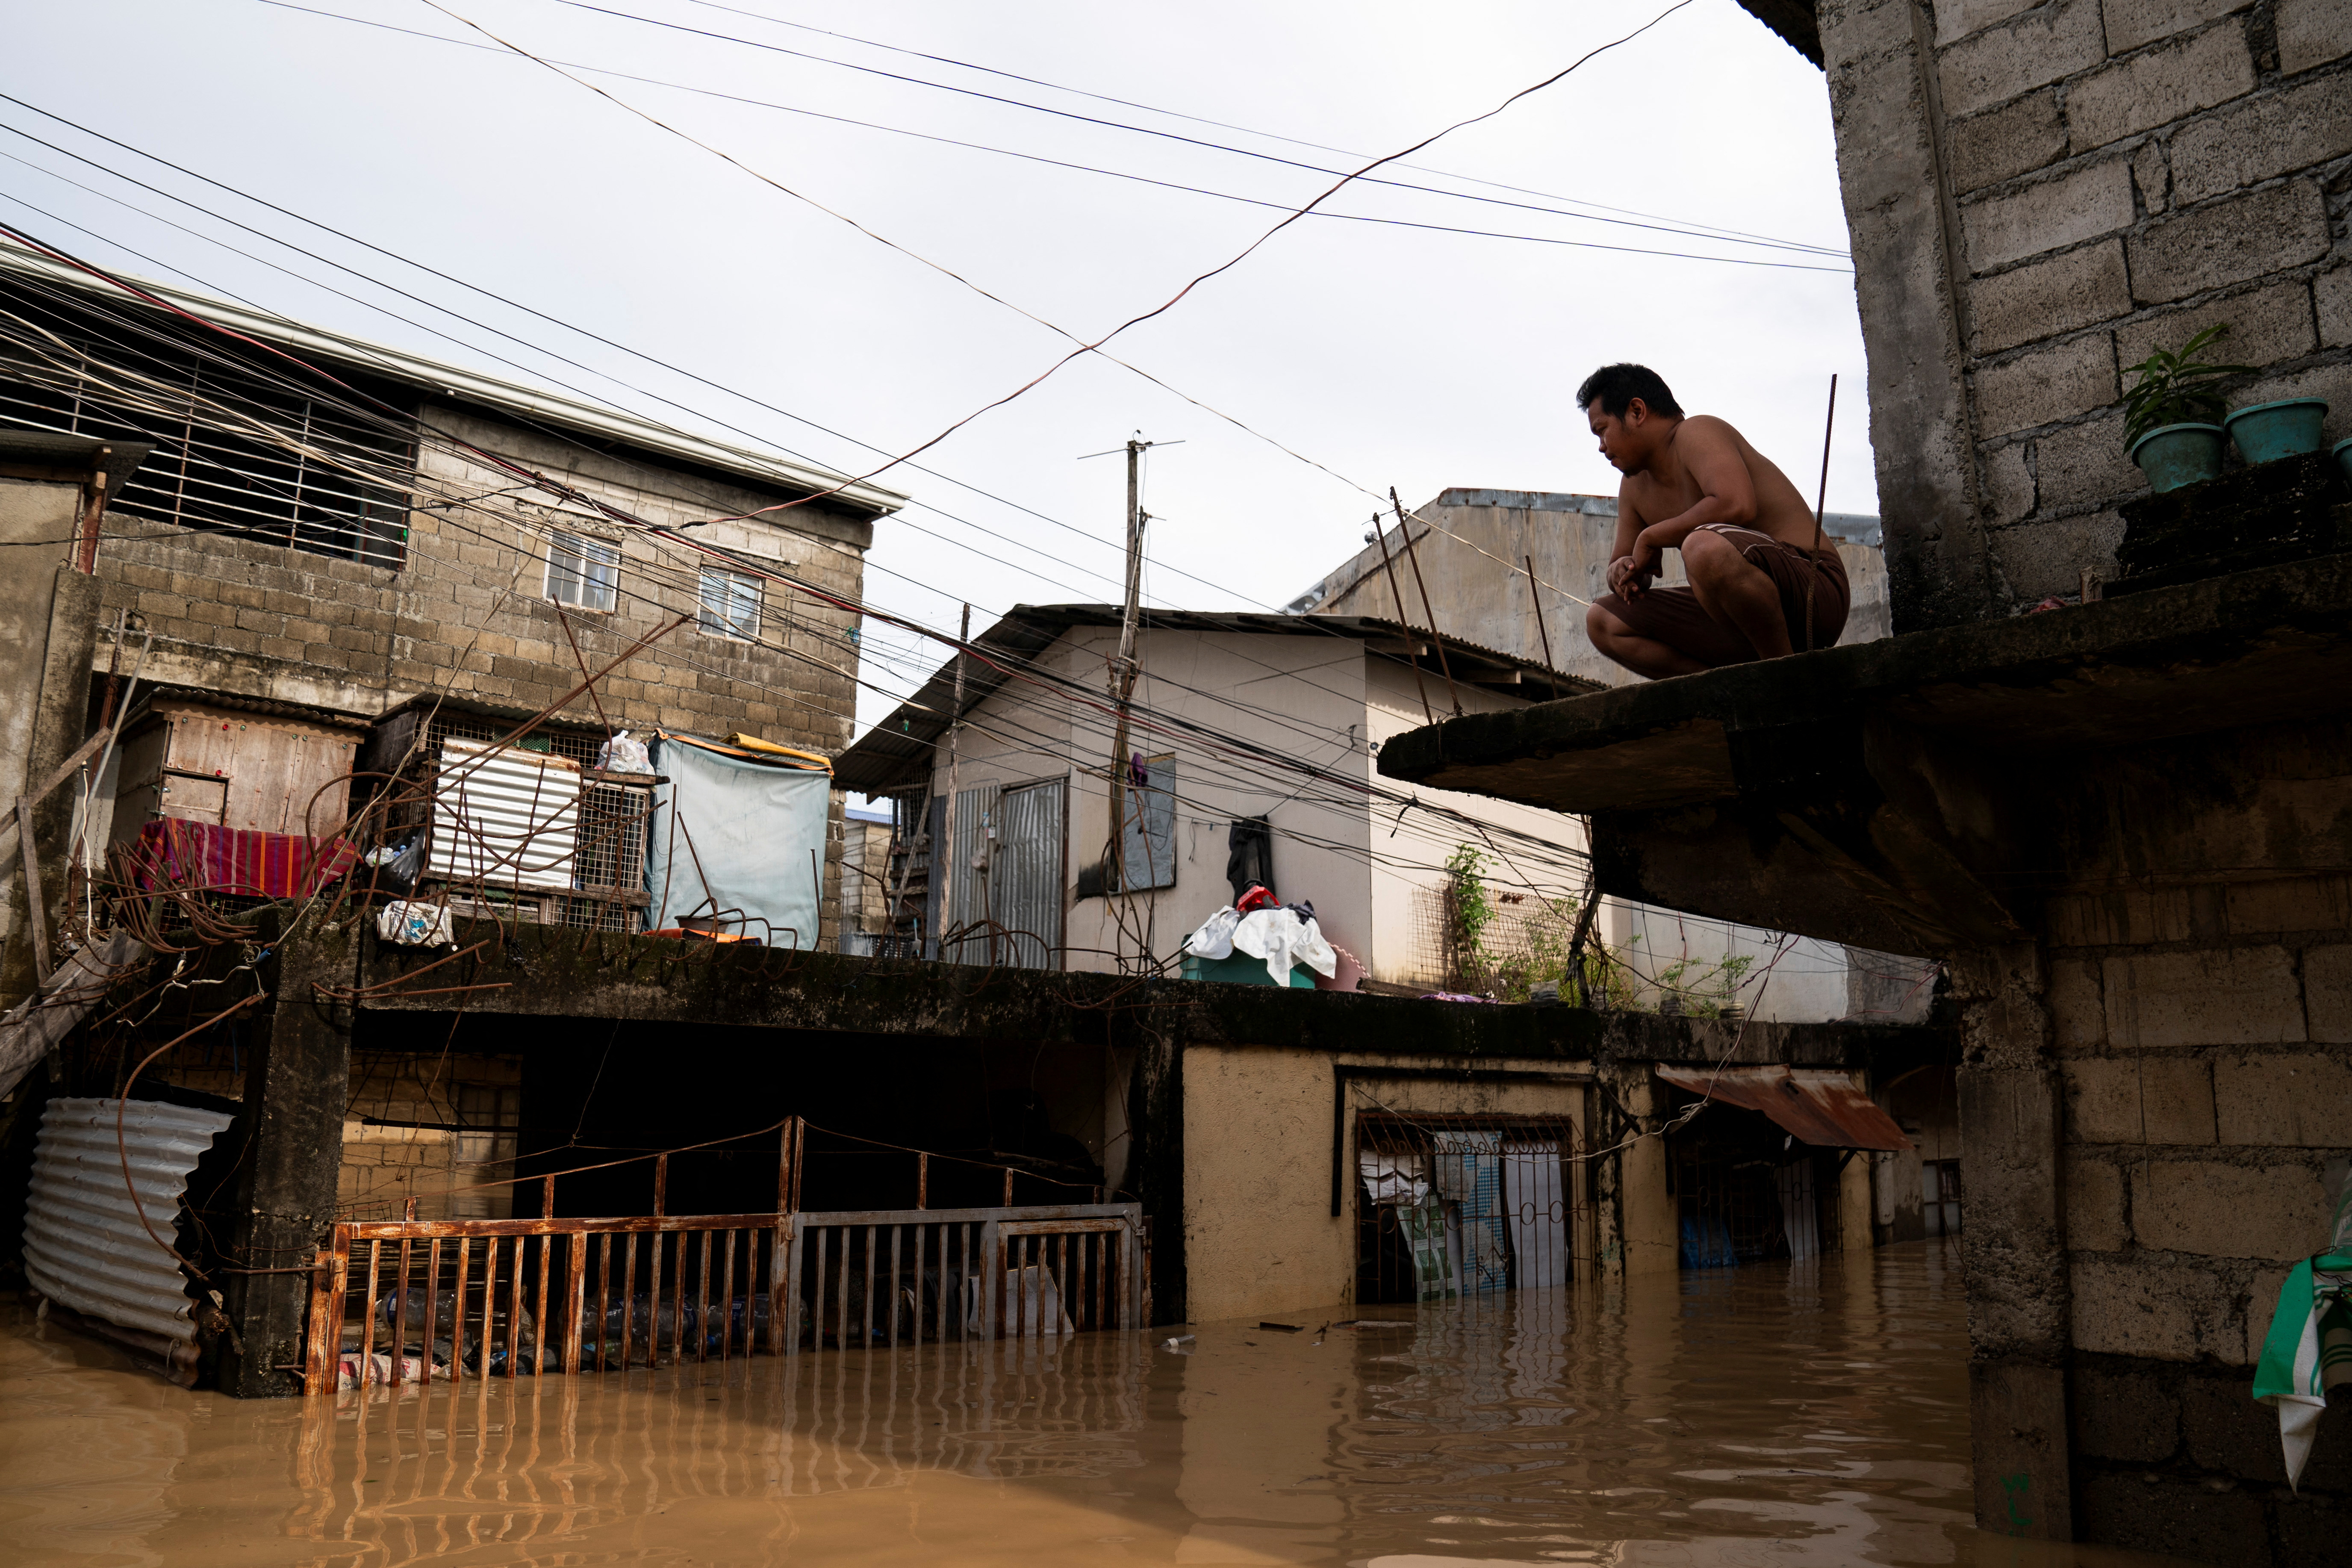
<point>2018,1291</point>
<point>296,1086</point>
<point>1635,1227</point>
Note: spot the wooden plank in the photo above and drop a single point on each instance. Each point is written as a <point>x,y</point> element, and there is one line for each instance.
<point>318,1351</point>
<point>39,920</point>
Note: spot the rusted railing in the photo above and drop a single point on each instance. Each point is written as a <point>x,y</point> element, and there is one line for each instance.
<point>453,1298</point>
<point>894,1276</point>
<point>487,1296</point>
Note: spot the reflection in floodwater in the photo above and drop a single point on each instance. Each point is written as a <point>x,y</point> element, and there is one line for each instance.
<point>1789,1413</point>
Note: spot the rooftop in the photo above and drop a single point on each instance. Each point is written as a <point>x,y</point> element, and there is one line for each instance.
<point>767,469</point>
<point>897,751</point>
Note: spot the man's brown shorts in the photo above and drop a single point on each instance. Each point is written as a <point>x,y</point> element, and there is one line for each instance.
<point>1673,617</point>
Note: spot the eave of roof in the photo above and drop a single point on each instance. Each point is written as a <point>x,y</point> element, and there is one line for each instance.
<point>764,468</point>
<point>899,750</point>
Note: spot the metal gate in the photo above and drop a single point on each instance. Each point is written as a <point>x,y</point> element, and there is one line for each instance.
<point>1464,1205</point>
<point>892,1277</point>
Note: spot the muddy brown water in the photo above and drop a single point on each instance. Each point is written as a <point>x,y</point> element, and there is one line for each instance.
<point>1776,1415</point>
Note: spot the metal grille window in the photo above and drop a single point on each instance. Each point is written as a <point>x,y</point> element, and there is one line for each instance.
<point>583,572</point>
<point>241,445</point>
<point>729,605</point>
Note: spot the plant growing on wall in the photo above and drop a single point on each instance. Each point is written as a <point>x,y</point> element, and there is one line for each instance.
<point>1469,911</point>
<point>2175,387</point>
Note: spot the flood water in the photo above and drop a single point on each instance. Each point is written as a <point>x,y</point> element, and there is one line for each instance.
<point>1788,1414</point>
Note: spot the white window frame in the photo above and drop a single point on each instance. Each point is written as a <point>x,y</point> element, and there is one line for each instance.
<point>719,610</point>
<point>584,572</point>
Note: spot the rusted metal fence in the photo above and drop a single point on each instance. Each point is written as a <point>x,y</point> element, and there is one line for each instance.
<point>894,1276</point>
<point>406,1300</point>
<point>495,1297</point>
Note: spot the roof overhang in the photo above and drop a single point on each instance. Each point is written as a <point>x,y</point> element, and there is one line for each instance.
<point>765,470</point>
<point>1818,1106</point>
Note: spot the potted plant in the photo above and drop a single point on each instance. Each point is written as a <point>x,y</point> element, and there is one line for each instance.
<point>2169,414</point>
<point>2266,432</point>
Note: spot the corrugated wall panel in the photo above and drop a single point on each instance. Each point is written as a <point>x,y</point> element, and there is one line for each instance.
<point>506,817</point>
<point>967,883</point>
<point>84,1247</point>
<point>1027,870</point>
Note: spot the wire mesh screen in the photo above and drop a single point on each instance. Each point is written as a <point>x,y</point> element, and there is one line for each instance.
<point>1463,1206</point>
<point>331,483</point>
<point>608,862</point>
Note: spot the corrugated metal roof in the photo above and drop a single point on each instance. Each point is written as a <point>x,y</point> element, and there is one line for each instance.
<point>471,386</point>
<point>84,1245</point>
<point>896,753</point>
<point>509,817</point>
<point>1821,1106</point>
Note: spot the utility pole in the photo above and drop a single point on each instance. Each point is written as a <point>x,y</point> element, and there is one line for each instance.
<point>1123,668</point>
<point>944,853</point>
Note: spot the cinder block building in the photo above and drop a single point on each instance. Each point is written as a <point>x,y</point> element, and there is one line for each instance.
<point>329,532</point>
<point>2121,821</point>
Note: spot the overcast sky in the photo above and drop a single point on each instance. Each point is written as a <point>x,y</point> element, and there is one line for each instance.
<point>1389,355</point>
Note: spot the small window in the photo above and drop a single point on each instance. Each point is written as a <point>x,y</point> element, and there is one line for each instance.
<point>730,604</point>
<point>583,572</point>
<point>1148,827</point>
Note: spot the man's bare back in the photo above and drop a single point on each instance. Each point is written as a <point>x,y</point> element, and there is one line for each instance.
<point>1758,587</point>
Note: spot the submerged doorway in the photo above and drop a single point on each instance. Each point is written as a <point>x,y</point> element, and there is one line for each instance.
<point>1463,1206</point>
<point>1744,1191</point>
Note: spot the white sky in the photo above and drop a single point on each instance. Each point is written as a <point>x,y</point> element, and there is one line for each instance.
<point>1393,356</point>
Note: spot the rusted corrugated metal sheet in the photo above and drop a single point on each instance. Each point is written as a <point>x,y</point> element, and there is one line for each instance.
<point>84,1245</point>
<point>1821,1107</point>
<point>507,818</point>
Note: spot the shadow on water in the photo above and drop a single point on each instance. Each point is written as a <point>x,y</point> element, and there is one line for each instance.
<point>1783,1414</point>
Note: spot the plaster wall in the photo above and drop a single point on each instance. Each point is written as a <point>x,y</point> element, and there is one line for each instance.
<point>1259,1236</point>
<point>29,513</point>
<point>2039,196</point>
<point>1320,699</point>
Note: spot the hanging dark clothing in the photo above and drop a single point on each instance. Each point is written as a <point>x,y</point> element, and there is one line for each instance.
<point>1249,856</point>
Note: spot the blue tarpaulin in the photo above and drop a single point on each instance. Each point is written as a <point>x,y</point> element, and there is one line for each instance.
<point>736,839</point>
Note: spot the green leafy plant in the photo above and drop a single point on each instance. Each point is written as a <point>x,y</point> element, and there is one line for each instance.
<point>1469,911</point>
<point>2175,387</point>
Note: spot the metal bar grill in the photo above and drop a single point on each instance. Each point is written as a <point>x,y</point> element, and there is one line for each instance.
<point>520,1307</point>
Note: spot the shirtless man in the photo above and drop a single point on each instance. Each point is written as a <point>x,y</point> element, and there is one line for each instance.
<point>1694,484</point>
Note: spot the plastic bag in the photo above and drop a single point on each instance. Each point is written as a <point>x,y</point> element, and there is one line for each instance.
<point>395,867</point>
<point>412,924</point>
<point>623,755</point>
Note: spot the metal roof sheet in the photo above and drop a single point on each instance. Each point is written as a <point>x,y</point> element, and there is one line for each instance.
<point>897,751</point>
<point>469,386</point>
<point>1821,1106</point>
<point>84,1245</point>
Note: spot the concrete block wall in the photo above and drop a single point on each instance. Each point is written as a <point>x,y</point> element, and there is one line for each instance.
<point>2203,1042</point>
<point>2038,195</point>
<point>466,613</point>
<point>2127,172</point>
<point>383,1167</point>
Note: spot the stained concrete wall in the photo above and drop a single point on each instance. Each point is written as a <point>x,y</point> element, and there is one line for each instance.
<point>1481,534</point>
<point>466,614</point>
<point>1259,1236</point>
<point>2037,197</point>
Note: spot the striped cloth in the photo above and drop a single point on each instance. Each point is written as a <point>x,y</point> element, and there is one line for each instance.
<point>2309,1349</point>
<point>238,860</point>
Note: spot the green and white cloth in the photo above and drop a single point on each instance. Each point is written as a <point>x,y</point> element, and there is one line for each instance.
<point>2309,1350</point>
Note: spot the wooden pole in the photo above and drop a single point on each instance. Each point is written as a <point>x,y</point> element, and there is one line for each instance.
<point>943,854</point>
<point>1821,512</point>
<point>1535,597</point>
<point>1380,534</point>
<point>1413,560</point>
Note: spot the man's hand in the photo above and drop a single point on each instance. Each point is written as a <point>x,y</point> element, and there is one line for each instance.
<point>1630,575</point>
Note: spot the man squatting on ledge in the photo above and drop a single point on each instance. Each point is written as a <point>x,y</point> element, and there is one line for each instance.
<point>1694,484</point>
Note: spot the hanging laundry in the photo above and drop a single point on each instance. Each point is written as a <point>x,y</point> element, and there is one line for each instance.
<point>1215,937</point>
<point>1249,856</point>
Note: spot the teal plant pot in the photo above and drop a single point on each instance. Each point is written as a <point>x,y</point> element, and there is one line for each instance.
<point>2266,432</point>
<point>2172,456</point>
<point>2343,455</point>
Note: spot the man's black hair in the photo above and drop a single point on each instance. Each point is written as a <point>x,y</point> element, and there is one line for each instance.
<point>1614,387</point>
